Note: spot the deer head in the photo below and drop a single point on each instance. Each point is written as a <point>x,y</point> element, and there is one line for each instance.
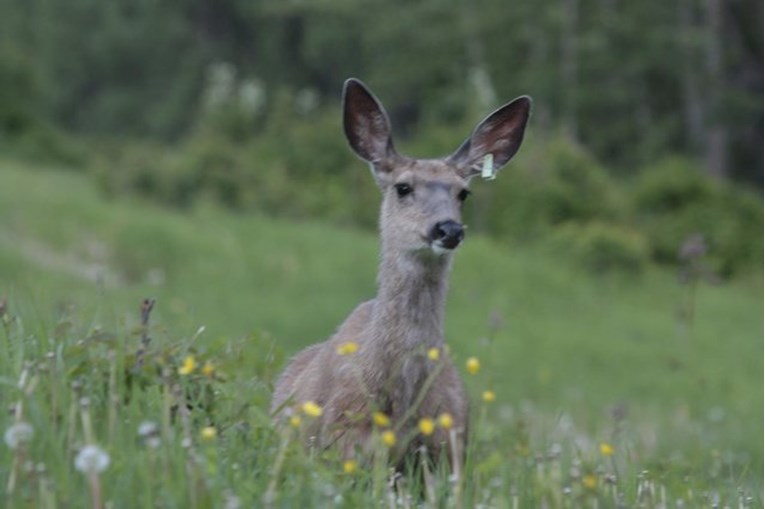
<point>422,198</point>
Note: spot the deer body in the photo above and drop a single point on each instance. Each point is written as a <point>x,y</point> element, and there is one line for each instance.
<point>420,226</point>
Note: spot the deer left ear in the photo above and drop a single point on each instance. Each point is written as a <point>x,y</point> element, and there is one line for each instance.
<point>366,123</point>
<point>499,135</point>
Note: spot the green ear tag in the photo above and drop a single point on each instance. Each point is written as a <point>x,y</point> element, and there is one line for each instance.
<point>487,171</point>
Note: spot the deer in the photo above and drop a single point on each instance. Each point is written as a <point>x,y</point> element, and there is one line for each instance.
<point>397,335</point>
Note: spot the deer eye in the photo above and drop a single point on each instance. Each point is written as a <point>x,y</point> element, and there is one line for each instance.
<point>403,189</point>
<point>462,195</point>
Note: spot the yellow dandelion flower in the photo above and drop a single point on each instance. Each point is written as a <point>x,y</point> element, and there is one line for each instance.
<point>209,433</point>
<point>208,369</point>
<point>347,348</point>
<point>426,426</point>
<point>434,354</point>
<point>488,396</point>
<point>606,449</point>
<point>350,466</point>
<point>445,421</point>
<point>189,364</point>
<point>389,438</point>
<point>295,421</point>
<point>590,481</point>
<point>311,409</point>
<point>473,365</point>
<point>380,419</point>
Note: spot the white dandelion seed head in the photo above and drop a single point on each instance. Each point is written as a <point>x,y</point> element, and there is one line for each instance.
<point>18,434</point>
<point>147,429</point>
<point>149,432</point>
<point>91,459</point>
<point>231,501</point>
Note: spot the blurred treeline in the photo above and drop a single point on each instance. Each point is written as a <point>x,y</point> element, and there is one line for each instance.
<point>647,125</point>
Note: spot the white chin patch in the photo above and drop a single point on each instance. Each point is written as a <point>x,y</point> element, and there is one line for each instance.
<point>439,250</point>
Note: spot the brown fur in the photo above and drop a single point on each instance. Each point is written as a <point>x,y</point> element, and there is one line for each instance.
<point>394,330</point>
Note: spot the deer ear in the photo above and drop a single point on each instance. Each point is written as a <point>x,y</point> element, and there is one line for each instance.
<point>500,134</point>
<point>366,123</point>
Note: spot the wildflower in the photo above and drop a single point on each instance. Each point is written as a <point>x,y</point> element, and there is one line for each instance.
<point>208,369</point>
<point>380,419</point>
<point>426,426</point>
<point>209,433</point>
<point>91,460</point>
<point>434,354</point>
<point>473,365</point>
<point>350,466</point>
<point>311,409</point>
<point>295,421</point>
<point>606,449</point>
<point>188,365</point>
<point>590,481</point>
<point>18,434</point>
<point>488,396</point>
<point>445,421</point>
<point>389,438</point>
<point>347,348</point>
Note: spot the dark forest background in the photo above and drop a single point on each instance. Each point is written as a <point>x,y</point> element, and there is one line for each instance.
<point>647,127</point>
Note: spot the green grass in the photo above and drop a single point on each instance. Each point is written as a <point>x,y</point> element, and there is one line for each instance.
<point>575,360</point>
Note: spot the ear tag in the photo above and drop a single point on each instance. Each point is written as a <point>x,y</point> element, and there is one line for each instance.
<point>487,171</point>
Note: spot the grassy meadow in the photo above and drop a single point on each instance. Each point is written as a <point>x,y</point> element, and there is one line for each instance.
<point>609,391</point>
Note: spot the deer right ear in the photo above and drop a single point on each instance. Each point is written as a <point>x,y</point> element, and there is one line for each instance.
<point>366,123</point>
<point>498,136</point>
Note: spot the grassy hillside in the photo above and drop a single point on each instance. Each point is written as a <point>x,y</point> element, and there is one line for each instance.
<point>574,360</point>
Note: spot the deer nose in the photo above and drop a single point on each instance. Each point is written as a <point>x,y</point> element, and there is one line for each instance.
<point>448,234</point>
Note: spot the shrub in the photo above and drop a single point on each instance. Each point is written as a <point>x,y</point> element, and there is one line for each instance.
<point>670,185</point>
<point>602,247</point>
<point>674,200</point>
<point>20,88</point>
<point>579,188</point>
<point>547,185</point>
<point>136,168</point>
<point>212,166</point>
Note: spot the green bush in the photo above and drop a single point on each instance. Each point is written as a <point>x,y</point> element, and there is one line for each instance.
<point>670,185</point>
<point>601,247</point>
<point>20,88</point>
<point>579,188</point>
<point>547,185</point>
<point>305,172</point>
<point>674,200</point>
<point>304,169</point>
<point>25,131</point>
<point>211,166</point>
<point>177,176</point>
<point>132,168</point>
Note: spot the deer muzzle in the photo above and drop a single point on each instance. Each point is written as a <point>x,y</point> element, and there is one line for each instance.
<point>447,234</point>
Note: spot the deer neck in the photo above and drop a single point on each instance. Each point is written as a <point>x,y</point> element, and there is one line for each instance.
<point>409,309</point>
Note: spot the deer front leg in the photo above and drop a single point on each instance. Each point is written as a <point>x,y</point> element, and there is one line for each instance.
<point>447,402</point>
